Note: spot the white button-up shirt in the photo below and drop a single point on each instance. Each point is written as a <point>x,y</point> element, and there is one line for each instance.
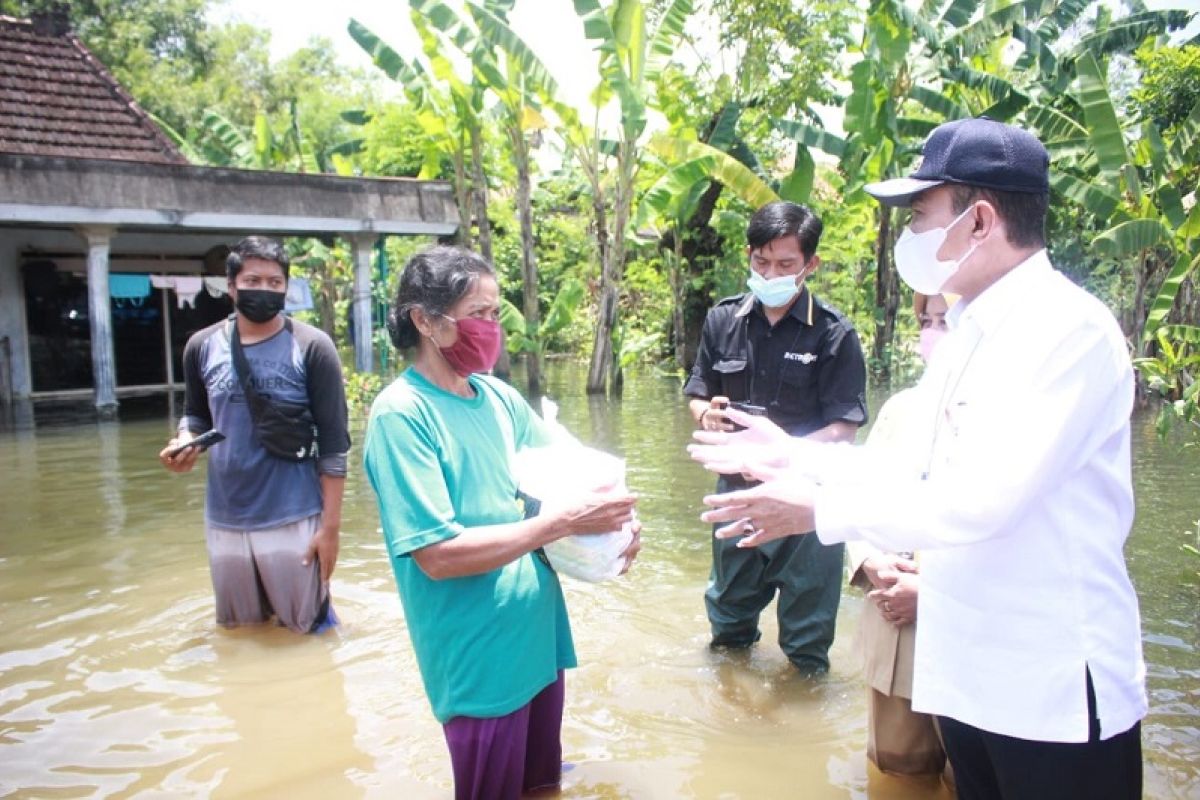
<point>1021,516</point>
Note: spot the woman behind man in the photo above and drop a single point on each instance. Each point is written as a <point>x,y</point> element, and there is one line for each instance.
<point>900,740</point>
<point>484,609</point>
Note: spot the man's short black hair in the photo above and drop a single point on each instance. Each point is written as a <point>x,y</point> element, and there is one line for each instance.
<point>781,218</point>
<point>1024,213</point>
<point>261,247</point>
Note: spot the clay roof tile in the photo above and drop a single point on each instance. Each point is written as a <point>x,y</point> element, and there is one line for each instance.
<point>57,99</point>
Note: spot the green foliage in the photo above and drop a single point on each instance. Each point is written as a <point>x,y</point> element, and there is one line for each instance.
<point>1170,85</point>
<point>561,315</point>
<point>785,53</point>
<point>647,294</point>
<point>393,144</point>
<point>361,390</point>
<point>698,160</point>
<point>1171,375</point>
<point>1124,142</point>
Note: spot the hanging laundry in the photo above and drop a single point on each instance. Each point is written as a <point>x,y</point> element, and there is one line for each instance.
<point>129,287</point>
<point>216,287</point>
<point>299,296</point>
<point>162,281</point>
<point>186,289</point>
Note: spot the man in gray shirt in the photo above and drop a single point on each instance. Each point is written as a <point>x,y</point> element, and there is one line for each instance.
<point>271,522</point>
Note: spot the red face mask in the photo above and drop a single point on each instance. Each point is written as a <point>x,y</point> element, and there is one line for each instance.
<point>477,346</point>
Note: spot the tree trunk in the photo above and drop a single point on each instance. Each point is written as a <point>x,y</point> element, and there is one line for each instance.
<point>699,245</point>
<point>480,195</point>
<point>678,331</point>
<point>529,267</point>
<point>463,196</point>
<point>702,245</point>
<point>887,298</point>
<point>475,210</point>
<point>1139,301</point>
<point>605,365</point>
<point>600,220</point>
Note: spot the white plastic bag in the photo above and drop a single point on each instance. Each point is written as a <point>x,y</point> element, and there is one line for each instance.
<point>566,468</point>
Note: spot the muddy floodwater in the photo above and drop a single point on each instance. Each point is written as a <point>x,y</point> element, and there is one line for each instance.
<point>116,682</point>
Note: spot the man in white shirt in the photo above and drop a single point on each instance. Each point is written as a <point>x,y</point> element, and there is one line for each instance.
<point>1029,648</point>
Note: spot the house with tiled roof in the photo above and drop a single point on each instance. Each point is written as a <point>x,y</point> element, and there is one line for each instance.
<point>95,200</point>
<point>56,99</point>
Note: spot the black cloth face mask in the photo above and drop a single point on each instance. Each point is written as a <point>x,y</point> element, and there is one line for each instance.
<point>259,305</point>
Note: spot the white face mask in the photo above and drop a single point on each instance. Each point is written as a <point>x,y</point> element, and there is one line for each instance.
<point>917,261</point>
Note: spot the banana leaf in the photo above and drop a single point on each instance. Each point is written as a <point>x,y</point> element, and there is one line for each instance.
<point>1131,237</point>
<point>719,166</point>
<point>811,136</point>
<point>1164,301</point>
<point>1093,198</point>
<point>1101,118</point>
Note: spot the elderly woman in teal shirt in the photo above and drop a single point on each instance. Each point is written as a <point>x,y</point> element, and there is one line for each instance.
<point>484,609</point>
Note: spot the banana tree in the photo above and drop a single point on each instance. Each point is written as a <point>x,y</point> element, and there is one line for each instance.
<point>682,201</point>
<point>672,200</point>
<point>897,53</point>
<point>1172,374</point>
<point>947,60</point>
<point>1130,183</point>
<point>516,84</point>
<point>1151,229</point>
<point>631,59</point>
<point>560,316</point>
<point>467,103</point>
<point>447,120</point>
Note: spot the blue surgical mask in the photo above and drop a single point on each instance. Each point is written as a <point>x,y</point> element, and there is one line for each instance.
<point>774,292</point>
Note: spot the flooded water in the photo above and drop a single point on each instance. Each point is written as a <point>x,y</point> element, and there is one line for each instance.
<point>116,682</point>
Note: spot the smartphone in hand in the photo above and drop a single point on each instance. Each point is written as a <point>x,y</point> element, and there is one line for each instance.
<point>749,408</point>
<point>202,442</point>
<point>745,408</point>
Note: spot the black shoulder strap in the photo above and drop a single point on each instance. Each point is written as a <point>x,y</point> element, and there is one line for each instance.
<point>241,367</point>
<point>308,351</point>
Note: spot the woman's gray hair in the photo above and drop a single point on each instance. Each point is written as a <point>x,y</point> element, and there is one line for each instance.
<point>433,281</point>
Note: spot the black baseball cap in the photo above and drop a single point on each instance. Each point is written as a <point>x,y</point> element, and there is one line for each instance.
<point>973,152</point>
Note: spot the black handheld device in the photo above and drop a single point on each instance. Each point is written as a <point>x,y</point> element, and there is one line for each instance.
<point>749,408</point>
<point>203,442</point>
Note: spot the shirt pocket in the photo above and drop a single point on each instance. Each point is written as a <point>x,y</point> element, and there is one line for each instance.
<point>798,373</point>
<point>798,393</point>
<point>732,375</point>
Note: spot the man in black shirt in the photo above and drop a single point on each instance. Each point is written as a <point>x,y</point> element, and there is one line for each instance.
<point>781,349</point>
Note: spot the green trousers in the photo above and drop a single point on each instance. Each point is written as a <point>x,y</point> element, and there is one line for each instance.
<point>806,575</point>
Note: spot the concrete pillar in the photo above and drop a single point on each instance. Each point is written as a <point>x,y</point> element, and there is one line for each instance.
<point>14,327</point>
<point>362,244</point>
<point>104,363</point>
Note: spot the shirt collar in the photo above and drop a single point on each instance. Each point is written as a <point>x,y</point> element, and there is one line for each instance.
<point>802,309</point>
<point>989,308</point>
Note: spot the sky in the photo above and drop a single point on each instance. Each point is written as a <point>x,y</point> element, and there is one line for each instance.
<point>551,29</point>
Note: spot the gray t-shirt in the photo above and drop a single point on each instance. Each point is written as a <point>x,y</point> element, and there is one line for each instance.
<point>248,488</point>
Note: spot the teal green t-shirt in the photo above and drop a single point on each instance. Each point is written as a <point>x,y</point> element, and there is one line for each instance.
<point>441,464</point>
